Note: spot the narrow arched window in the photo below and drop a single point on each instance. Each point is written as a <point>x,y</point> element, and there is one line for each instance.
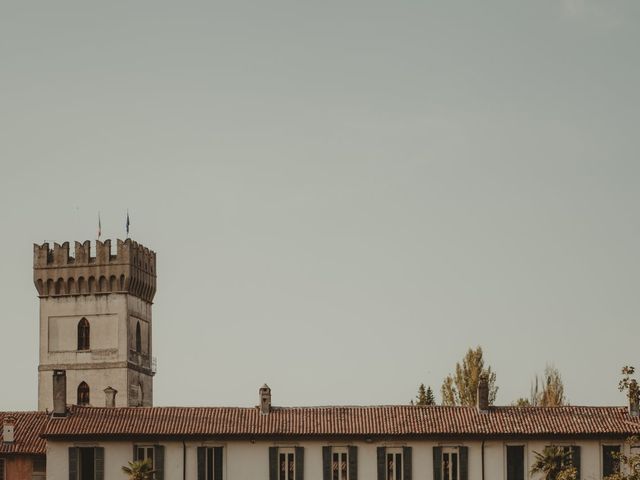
<point>83,334</point>
<point>83,394</point>
<point>138,338</point>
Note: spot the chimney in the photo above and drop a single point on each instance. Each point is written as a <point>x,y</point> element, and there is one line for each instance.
<point>59,393</point>
<point>265,400</point>
<point>483,393</point>
<point>8,426</point>
<point>110,397</point>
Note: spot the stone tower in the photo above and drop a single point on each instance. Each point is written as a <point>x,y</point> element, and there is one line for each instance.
<point>95,321</point>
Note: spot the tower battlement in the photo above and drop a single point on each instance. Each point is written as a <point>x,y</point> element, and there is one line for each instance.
<point>131,270</point>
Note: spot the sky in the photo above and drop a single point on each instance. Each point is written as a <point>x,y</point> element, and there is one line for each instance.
<point>343,196</point>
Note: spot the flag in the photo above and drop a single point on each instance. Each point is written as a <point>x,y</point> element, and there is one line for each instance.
<point>99,226</point>
<point>128,222</point>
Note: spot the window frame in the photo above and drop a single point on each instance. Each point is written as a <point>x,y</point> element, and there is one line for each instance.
<point>84,393</point>
<point>289,454</point>
<point>209,452</point>
<point>524,459</point>
<point>602,458</point>
<point>84,335</point>
<point>450,451</point>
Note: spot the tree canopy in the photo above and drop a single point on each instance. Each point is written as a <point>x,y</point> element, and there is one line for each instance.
<point>425,396</point>
<point>461,388</point>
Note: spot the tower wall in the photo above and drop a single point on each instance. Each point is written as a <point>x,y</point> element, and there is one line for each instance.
<point>110,294</point>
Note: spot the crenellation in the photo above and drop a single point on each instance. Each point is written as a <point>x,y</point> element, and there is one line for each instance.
<point>61,253</point>
<point>82,253</point>
<point>58,273</point>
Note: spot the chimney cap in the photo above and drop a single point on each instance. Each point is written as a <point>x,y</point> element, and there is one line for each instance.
<point>110,390</point>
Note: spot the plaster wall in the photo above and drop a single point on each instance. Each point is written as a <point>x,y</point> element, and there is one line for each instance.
<point>247,460</point>
<point>111,361</point>
<point>97,378</point>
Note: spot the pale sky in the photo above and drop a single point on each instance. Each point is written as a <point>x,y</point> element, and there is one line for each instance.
<point>343,196</point>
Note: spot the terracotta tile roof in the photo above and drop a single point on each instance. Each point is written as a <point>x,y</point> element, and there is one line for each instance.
<point>376,421</point>
<point>28,427</point>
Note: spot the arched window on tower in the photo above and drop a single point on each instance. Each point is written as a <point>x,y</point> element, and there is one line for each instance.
<point>83,334</point>
<point>138,338</point>
<point>83,394</point>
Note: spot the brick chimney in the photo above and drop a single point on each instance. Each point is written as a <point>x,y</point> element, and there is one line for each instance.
<point>110,397</point>
<point>59,393</point>
<point>265,400</point>
<point>483,393</point>
<point>8,426</point>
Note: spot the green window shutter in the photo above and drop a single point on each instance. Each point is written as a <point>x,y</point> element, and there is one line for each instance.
<point>99,462</point>
<point>437,463</point>
<point>273,463</point>
<point>575,460</point>
<point>217,460</point>
<point>407,463</point>
<point>202,462</point>
<point>382,463</point>
<point>73,463</point>
<point>299,463</point>
<point>353,462</point>
<point>464,462</point>
<point>135,452</point>
<point>326,463</point>
<point>158,461</point>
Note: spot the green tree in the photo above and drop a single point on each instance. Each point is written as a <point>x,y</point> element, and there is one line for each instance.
<point>139,470</point>
<point>424,397</point>
<point>461,388</point>
<point>431,398</point>
<point>554,463</point>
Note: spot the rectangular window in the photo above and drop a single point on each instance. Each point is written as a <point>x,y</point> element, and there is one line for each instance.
<point>339,464</point>
<point>610,462</point>
<point>39,468</point>
<point>394,464</point>
<point>154,454</point>
<point>145,452</point>
<point>287,464</point>
<point>210,463</point>
<point>515,462</point>
<point>450,464</point>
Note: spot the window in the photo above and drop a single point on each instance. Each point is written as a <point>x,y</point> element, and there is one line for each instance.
<point>138,338</point>
<point>155,455</point>
<point>86,463</point>
<point>515,462</point>
<point>610,464</point>
<point>394,463</point>
<point>39,468</point>
<point>340,463</point>
<point>450,463</point>
<point>83,394</point>
<point>83,334</point>
<point>209,463</point>
<point>574,458</point>
<point>286,463</point>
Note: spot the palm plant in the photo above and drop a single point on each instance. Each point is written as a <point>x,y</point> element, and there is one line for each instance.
<point>140,470</point>
<point>553,462</point>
